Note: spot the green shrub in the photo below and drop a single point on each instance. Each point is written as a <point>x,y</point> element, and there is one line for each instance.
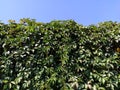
<point>60,55</point>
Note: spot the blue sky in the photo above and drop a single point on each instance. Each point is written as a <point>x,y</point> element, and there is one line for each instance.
<point>84,12</point>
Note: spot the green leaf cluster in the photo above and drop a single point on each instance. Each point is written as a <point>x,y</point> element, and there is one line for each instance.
<point>59,55</point>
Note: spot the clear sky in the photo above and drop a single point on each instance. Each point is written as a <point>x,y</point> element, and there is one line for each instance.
<point>84,12</point>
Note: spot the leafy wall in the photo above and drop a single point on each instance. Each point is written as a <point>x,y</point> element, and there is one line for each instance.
<point>60,55</point>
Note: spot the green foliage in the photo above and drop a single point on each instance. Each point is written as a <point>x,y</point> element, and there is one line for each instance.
<point>60,55</point>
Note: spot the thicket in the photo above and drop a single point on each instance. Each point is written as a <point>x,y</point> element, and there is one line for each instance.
<point>59,55</point>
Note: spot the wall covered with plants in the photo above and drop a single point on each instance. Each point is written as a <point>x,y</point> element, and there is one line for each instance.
<point>59,55</point>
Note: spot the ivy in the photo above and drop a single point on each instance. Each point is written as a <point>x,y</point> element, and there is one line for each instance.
<point>60,55</point>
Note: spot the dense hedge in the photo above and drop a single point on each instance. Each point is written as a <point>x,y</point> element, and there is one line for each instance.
<point>60,55</point>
